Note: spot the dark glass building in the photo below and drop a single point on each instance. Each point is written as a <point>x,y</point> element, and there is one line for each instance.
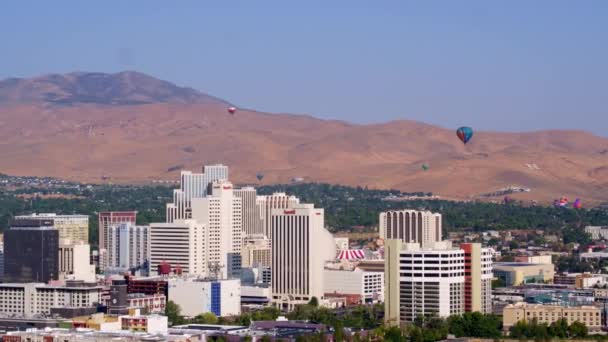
<point>31,252</point>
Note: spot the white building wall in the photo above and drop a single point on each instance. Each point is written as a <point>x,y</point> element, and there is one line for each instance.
<point>179,243</point>
<point>193,185</point>
<point>277,200</point>
<point>194,296</point>
<point>221,213</point>
<point>344,282</point>
<point>252,223</point>
<point>300,250</point>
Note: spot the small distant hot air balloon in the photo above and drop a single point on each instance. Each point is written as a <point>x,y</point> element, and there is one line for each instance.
<point>231,110</point>
<point>507,200</point>
<point>425,167</point>
<point>465,134</point>
<point>259,176</point>
<point>577,204</point>
<point>561,202</point>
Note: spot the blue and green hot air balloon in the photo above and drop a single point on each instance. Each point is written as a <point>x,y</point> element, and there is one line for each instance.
<point>465,134</point>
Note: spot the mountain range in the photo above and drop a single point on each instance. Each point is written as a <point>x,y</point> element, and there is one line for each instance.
<point>129,127</point>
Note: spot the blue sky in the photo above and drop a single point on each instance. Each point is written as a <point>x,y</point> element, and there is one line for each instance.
<point>495,65</point>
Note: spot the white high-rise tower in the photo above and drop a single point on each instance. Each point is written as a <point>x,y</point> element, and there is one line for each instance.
<point>300,250</point>
<point>221,214</point>
<point>193,185</point>
<point>411,226</point>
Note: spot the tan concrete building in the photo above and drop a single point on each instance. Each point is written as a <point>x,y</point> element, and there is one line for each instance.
<point>71,227</point>
<point>589,315</point>
<point>422,281</point>
<point>411,226</point>
<point>478,278</point>
<point>517,273</point>
<point>255,251</point>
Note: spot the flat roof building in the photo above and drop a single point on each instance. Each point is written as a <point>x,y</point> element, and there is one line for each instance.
<point>518,273</point>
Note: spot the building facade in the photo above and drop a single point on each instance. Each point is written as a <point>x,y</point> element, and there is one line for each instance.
<point>300,249</point>
<point>31,251</point>
<point>27,299</point>
<point>251,220</point>
<point>75,261</point>
<point>597,232</point>
<point>108,218</point>
<point>478,278</point>
<point>221,213</point>
<point>128,247</point>
<point>181,243</point>
<point>71,227</point>
<point>591,316</point>
<point>422,281</point>
<point>256,251</point>
<point>518,273</point>
<point>368,286</point>
<point>193,185</point>
<point>411,226</point>
<point>266,204</point>
<point>197,296</point>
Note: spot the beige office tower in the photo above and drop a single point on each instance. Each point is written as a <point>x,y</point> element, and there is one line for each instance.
<point>266,204</point>
<point>300,250</point>
<point>221,213</point>
<point>422,281</point>
<point>411,226</point>
<point>478,278</point>
<point>251,218</point>
<point>74,261</point>
<point>256,251</point>
<point>71,227</point>
<point>181,244</point>
<point>193,185</point>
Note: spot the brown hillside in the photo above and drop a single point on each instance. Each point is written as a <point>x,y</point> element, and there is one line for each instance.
<point>139,142</point>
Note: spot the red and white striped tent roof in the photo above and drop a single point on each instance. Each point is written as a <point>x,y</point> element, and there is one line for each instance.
<point>350,254</point>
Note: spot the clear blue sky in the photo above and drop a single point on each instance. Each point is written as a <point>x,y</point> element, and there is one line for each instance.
<point>500,65</point>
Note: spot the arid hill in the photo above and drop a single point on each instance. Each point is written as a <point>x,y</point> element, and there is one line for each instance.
<point>130,127</point>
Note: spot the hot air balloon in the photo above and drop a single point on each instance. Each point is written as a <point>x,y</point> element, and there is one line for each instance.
<point>259,176</point>
<point>425,167</point>
<point>577,204</point>
<point>231,110</point>
<point>507,200</point>
<point>464,134</point>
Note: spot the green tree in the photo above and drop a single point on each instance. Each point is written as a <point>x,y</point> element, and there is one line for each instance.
<point>577,330</point>
<point>206,318</point>
<point>498,282</point>
<point>314,302</point>
<point>174,313</point>
<point>559,328</point>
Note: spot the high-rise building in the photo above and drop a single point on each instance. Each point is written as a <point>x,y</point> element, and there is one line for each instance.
<point>221,213</point>
<point>75,261</point>
<point>108,218</point>
<point>128,247</point>
<point>251,218</point>
<point>411,226</point>
<point>181,244</point>
<point>478,278</point>
<point>71,227</point>
<point>266,204</point>
<point>1,257</point>
<point>300,249</point>
<point>193,185</point>
<point>31,251</point>
<point>422,281</point>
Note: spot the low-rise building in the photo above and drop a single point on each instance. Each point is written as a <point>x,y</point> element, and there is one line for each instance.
<point>579,280</point>
<point>517,273</point>
<point>534,259</point>
<point>196,296</point>
<point>29,299</point>
<point>90,335</point>
<point>597,232</point>
<point>591,316</point>
<point>367,286</point>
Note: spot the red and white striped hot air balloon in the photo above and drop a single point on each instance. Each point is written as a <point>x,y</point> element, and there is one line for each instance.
<point>231,110</point>
<point>351,254</point>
